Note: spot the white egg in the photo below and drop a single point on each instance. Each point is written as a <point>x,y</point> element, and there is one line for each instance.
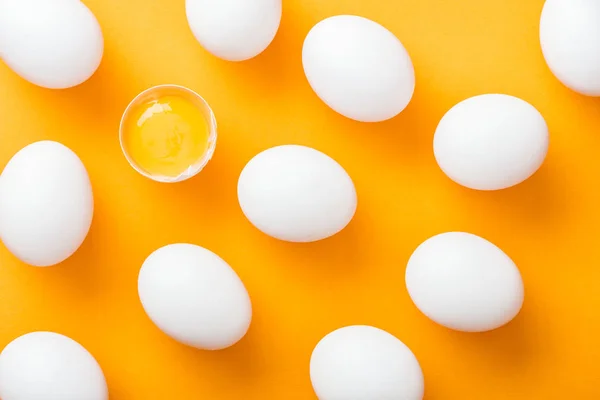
<point>234,30</point>
<point>358,68</point>
<point>194,296</point>
<point>297,194</point>
<point>46,204</point>
<point>49,366</point>
<point>464,282</point>
<point>570,40</point>
<point>491,142</point>
<point>54,43</point>
<point>364,363</point>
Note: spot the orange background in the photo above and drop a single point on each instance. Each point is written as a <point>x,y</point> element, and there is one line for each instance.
<point>549,225</point>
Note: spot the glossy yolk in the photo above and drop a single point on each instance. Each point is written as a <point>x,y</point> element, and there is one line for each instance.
<point>166,136</point>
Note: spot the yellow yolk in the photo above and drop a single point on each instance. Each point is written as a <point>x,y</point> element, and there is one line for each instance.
<point>166,136</point>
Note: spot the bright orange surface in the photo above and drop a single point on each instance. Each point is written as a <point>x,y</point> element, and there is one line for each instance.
<point>550,225</point>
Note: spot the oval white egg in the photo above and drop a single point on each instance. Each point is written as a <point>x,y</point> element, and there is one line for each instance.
<point>46,365</point>
<point>363,362</point>
<point>491,142</point>
<point>46,204</point>
<point>464,282</point>
<point>296,193</point>
<point>358,68</point>
<point>570,40</point>
<point>194,296</point>
<point>234,30</point>
<point>55,44</point>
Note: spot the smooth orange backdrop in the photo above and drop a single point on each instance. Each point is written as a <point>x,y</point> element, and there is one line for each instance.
<point>550,225</point>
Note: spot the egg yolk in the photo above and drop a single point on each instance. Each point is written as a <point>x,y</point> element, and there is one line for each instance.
<point>166,136</point>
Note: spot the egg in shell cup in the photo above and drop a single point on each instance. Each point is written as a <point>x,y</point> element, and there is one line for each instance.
<point>192,106</point>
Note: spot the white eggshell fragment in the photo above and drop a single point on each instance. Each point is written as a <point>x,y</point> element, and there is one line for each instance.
<point>491,142</point>
<point>464,282</point>
<point>234,30</point>
<point>55,44</point>
<point>296,193</point>
<point>358,68</point>
<point>194,297</point>
<point>46,203</point>
<point>49,366</point>
<point>364,363</point>
<point>570,40</point>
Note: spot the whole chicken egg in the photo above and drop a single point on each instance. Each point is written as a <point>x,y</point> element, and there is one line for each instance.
<point>234,30</point>
<point>296,193</point>
<point>46,203</point>
<point>363,362</point>
<point>358,68</point>
<point>491,142</point>
<point>464,282</point>
<point>55,44</point>
<point>49,366</point>
<point>570,40</point>
<point>194,296</point>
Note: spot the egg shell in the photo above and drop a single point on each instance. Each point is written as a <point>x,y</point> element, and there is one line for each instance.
<point>46,203</point>
<point>49,366</point>
<point>491,142</point>
<point>55,44</point>
<point>194,296</point>
<point>296,194</point>
<point>570,40</point>
<point>234,30</point>
<point>464,282</point>
<point>358,68</point>
<point>363,362</point>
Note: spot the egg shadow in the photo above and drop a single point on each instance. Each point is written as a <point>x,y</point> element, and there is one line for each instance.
<point>587,104</point>
<point>81,276</point>
<point>244,362</point>
<point>510,350</point>
<point>213,190</point>
<point>325,262</point>
<point>542,201</point>
<point>405,141</point>
<point>93,100</point>
<point>273,72</point>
